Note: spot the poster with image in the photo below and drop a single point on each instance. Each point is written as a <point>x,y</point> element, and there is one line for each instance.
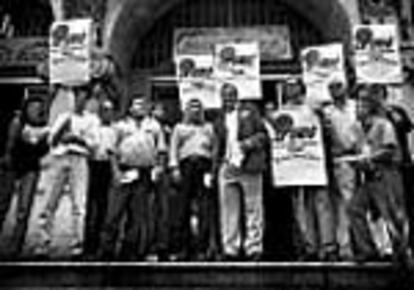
<point>247,89</point>
<point>321,65</point>
<point>239,64</point>
<point>377,54</point>
<point>237,60</point>
<point>297,147</point>
<point>70,51</point>
<point>204,90</point>
<point>195,80</point>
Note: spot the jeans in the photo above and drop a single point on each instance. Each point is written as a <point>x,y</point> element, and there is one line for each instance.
<point>7,186</point>
<point>72,170</point>
<point>381,192</point>
<point>160,215</point>
<point>345,186</point>
<point>313,212</point>
<point>194,201</point>
<point>132,199</point>
<point>26,192</point>
<point>241,206</point>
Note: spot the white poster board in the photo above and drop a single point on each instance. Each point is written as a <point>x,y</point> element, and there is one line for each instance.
<point>298,156</point>
<point>321,65</point>
<point>377,54</point>
<point>195,80</point>
<point>239,64</point>
<point>70,51</point>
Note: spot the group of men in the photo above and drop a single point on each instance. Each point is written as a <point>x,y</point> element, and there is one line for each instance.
<point>203,189</point>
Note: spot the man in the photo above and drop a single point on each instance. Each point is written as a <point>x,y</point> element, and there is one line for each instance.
<point>311,205</point>
<point>71,139</point>
<point>345,139</point>
<point>160,217</point>
<point>382,190</point>
<point>140,141</point>
<point>26,145</point>
<point>277,202</point>
<point>190,162</point>
<point>239,159</point>
<point>100,176</point>
<point>403,127</point>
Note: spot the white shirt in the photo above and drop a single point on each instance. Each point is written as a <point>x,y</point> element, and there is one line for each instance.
<point>346,131</point>
<point>105,142</point>
<point>139,144</point>
<point>234,154</point>
<point>82,126</point>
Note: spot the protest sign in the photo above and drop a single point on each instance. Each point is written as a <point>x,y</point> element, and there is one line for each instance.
<point>298,156</point>
<point>195,77</point>
<point>70,51</point>
<point>377,54</point>
<point>203,90</point>
<point>237,60</point>
<point>321,65</point>
<point>239,64</point>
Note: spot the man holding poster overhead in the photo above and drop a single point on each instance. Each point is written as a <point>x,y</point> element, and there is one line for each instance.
<point>299,148</point>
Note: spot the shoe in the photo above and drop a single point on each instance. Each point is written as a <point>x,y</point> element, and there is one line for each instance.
<point>181,257</point>
<point>230,258</point>
<point>200,257</point>
<point>105,256</point>
<point>76,248</point>
<point>330,257</point>
<point>366,258</point>
<point>257,257</point>
<point>41,254</point>
<point>163,256</point>
<point>309,257</point>
<point>151,258</point>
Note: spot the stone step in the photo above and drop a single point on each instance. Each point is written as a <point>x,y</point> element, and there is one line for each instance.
<point>205,275</point>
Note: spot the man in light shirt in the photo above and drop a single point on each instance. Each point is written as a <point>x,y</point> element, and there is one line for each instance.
<point>239,159</point>
<point>382,188</point>
<point>100,177</point>
<point>71,139</point>
<point>346,139</point>
<point>312,205</point>
<point>190,160</point>
<point>140,141</point>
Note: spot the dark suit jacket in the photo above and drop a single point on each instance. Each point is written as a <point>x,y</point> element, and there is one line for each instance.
<point>251,134</point>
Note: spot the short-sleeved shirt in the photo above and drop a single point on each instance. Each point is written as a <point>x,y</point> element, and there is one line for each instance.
<point>105,142</point>
<point>191,140</point>
<point>139,144</point>
<point>346,132</point>
<point>382,135</point>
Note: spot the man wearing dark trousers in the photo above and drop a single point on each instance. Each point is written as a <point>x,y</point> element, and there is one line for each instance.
<point>382,189</point>
<point>100,177</point>
<point>190,161</point>
<point>140,142</point>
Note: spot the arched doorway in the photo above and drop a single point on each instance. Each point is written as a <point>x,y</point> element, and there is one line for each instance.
<point>140,33</point>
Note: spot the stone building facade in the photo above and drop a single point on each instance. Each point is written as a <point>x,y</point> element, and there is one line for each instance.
<point>139,33</point>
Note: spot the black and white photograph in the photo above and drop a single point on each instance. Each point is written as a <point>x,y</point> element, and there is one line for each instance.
<point>207,144</point>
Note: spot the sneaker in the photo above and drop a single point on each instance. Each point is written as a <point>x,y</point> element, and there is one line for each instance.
<point>76,247</point>
<point>152,258</point>
<point>256,257</point>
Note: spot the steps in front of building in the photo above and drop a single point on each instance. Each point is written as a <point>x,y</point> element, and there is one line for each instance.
<point>206,275</point>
